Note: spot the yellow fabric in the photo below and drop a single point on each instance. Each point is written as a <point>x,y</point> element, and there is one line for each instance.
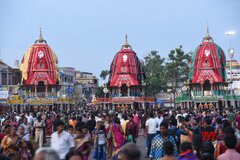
<point>24,64</point>
<point>124,124</point>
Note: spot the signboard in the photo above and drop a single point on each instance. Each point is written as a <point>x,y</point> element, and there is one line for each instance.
<point>3,94</point>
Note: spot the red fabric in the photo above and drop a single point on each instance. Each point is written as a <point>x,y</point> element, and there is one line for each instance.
<point>46,72</point>
<point>207,65</point>
<point>125,70</point>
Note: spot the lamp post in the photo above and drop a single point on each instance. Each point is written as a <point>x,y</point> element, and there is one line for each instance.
<point>231,54</point>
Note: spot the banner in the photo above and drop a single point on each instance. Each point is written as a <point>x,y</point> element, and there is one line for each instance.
<point>3,94</point>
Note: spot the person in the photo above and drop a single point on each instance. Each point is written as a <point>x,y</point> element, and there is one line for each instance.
<point>82,142</point>
<point>130,151</point>
<point>61,140</point>
<point>49,126</point>
<point>168,149</point>
<point>187,152</point>
<point>156,151</point>
<point>124,122</point>
<point>117,136</point>
<point>73,122</point>
<point>151,126</point>
<point>39,133</point>
<point>71,130</point>
<point>131,130</point>
<point>10,144</point>
<point>22,135</point>
<point>100,143</point>
<point>230,142</point>
<point>91,124</point>
<point>208,132</point>
<point>238,121</point>
<point>221,146</point>
<point>46,153</point>
<point>25,150</point>
<point>207,151</point>
<point>159,120</point>
<point>26,126</point>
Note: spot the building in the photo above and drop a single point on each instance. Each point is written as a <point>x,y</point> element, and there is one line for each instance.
<point>67,80</point>
<point>126,85</point>
<point>85,85</point>
<point>235,66</point>
<point>10,78</point>
<point>85,78</point>
<point>207,85</point>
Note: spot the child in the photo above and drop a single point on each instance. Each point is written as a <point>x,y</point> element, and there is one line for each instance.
<point>25,150</point>
<point>100,144</point>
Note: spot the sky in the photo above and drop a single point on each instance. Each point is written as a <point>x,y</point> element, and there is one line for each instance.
<point>86,34</point>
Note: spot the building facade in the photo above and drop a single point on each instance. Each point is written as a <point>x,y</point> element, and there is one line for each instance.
<point>67,81</point>
<point>233,67</point>
<point>10,78</point>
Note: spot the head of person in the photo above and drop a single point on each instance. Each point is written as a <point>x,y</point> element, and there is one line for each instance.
<point>151,115</point>
<point>7,129</point>
<point>207,151</point>
<point>168,148</point>
<point>130,151</point>
<point>229,131</point>
<point>25,120</point>
<point>130,117</point>
<point>230,141</point>
<point>116,120</point>
<point>20,130</point>
<point>208,122</point>
<point>60,126</point>
<point>164,128</point>
<point>13,130</point>
<point>70,129</point>
<point>84,129</point>
<point>195,121</point>
<point>46,153</point>
<point>218,121</point>
<point>226,124</point>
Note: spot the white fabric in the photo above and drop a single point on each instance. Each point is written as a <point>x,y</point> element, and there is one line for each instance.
<point>152,126</point>
<point>159,121</point>
<point>62,143</point>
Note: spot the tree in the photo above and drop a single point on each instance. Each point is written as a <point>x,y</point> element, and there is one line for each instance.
<point>177,69</point>
<point>104,74</point>
<point>153,66</point>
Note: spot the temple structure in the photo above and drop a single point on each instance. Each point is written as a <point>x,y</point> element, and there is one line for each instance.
<point>39,67</point>
<point>126,85</point>
<point>207,84</point>
<point>40,89</point>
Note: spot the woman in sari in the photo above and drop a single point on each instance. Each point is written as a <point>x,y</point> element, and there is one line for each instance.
<point>49,126</point>
<point>117,135</point>
<point>82,143</point>
<point>10,144</point>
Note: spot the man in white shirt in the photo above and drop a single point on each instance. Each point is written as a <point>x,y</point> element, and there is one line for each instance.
<point>151,126</point>
<point>61,141</point>
<point>159,120</point>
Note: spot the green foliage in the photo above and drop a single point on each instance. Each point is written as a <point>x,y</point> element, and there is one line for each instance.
<point>99,92</point>
<point>153,66</point>
<point>177,67</point>
<point>104,74</point>
<point>160,72</point>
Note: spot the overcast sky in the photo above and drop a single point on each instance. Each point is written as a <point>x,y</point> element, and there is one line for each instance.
<point>86,34</point>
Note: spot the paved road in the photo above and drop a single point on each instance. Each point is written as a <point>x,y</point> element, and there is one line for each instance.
<point>141,143</point>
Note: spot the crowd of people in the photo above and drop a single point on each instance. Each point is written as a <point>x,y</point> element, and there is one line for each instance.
<point>87,133</point>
